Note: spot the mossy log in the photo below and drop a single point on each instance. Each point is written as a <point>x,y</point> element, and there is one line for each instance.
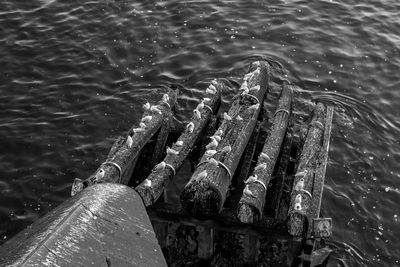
<point>153,186</point>
<point>251,205</point>
<point>301,196</point>
<point>124,153</point>
<point>206,191</point>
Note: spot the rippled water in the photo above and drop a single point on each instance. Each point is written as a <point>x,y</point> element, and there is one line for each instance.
<point>75,73</point>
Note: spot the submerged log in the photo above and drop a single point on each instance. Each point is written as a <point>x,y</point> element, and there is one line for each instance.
<point>206,191</point>
<point>251,205</point>
<point>153,186</point>
<point>301,196</point>
<point>319,179</point>
<point>114,168</point>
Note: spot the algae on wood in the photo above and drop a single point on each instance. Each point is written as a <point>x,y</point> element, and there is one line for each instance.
<point>251,205</point>
<point>301,196</point>
<point>206,191</point>
<point>153,186</point>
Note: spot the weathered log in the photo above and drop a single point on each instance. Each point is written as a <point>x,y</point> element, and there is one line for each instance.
<point>244,167</point>
<point>319,179</point>
<point>301,195</point>
<point>251,205</point>
<point>114,168</point>
<point>153,186</point>
<point>206,191</point>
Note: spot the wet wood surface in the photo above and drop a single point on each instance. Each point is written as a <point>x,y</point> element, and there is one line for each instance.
<point>153,186</point>
<point>206,191</point>
<point>251,205</point>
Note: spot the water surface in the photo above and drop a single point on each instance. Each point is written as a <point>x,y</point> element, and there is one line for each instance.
<point>74,75</point>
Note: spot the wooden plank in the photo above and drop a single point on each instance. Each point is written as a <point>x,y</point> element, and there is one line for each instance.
<point>153,186</point>
<point>206,191</point>
<point>251,205</point>
<point>301,196</point>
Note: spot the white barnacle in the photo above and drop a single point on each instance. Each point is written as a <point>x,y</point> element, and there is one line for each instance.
<point>171,151</point>
<point>146,119</point>
<point>202,175</point>
<point>147,183</point>
<point>245,91</point>
<point>218,132</point>
<point>297,206</point>
<point>190,127</point>
<point>251,179</point>
<point>301,174</point>
<point>239,118</point>
<point>160,166</point>
<point>254,107</point>
<point>206,99</point>
<point>216,137</point>
<point>100,174</point>
<point>226,149</point>
<point>227,117</point>
<point>265,156</point>
<point>210,153</point>
<point>214,82</point>
<point>256,63</point>
<point>213,144</point>
<point>197,114</point>
<point>142,125</point>
<point>300,185</point>
<point>165,98</point>
<point>147,106</point>
<point>255,88</point>
<point>213,162</point>
<point>155,109</point>
<point>298,198</point>
<point>247,191</point>
<point>138,130</point>
<point>244,85</point>
<point>200,106</point>
<point>179,143</point>
<point>261,166</point>
<point>211,89</point>
<point>129,141</point>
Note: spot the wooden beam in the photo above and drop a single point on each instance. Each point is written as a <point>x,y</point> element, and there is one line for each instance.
<point>206,191</point>
<point>251,205</point>
<point>153,186</point>
<point>114,168</point>
<point>301,196</point>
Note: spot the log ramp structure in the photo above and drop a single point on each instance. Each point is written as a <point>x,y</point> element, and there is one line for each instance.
<point>253,196</point>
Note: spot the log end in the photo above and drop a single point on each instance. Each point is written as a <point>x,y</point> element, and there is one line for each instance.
<point>201,199</point>
<point>247,213</point>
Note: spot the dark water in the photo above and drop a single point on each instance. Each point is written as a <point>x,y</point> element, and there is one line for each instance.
<point>74,74</point>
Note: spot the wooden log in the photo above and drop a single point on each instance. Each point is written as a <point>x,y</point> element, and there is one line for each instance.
<point>252,203</point>
<point>301,195</point>
<point>206,191</point>
<point>114,168</point>
<point>244,168</point>
<point>153,186</point>
<point>319,179</point>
